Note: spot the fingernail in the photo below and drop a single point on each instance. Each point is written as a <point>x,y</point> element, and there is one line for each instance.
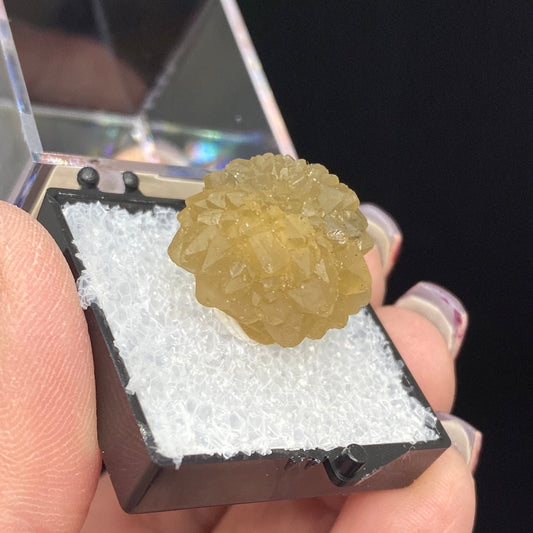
<point>465,438</point>
<point>440,307</point>
<point>386,234</point>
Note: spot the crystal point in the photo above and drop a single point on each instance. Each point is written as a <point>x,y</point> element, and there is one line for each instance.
<point>278,245</point>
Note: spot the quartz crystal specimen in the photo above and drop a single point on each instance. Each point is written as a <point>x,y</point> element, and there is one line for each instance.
<point>278,245</point>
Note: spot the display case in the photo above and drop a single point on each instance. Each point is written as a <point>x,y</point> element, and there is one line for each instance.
<point>120,111</point>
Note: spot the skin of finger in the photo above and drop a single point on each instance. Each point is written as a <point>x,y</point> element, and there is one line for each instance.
<point>49,456</point>
<point>373,262</point>
<point>105,508</point>
<point>441,500</point>
<point>425,353</point>
<point>308,515</point>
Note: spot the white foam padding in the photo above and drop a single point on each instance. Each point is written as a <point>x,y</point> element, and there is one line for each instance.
<point>205,391</point>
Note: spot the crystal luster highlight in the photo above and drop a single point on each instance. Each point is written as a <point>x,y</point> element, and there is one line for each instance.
<point>278,245</point>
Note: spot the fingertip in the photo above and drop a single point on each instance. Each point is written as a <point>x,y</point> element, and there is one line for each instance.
<point>442,308</point>
<point>425,353</point>
<point>386,234</point>
<point>443,498</point>
<point>373,262</point>
<point>50,454</point>
<point>466,439</point>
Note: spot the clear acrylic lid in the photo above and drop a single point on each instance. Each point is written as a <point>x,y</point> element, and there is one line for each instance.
<point>171,84</point>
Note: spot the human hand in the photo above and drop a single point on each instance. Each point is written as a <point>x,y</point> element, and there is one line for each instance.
<point>50,476</point>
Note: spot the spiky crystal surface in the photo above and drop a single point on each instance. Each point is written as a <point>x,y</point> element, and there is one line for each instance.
<point>278,245</point>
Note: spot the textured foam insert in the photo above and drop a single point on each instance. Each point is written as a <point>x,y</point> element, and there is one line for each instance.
<point>205,391</point>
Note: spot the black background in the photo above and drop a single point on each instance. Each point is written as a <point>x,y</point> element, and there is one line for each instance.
<point>424,108</point>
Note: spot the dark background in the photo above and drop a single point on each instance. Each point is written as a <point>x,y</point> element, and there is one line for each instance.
<point>423,108</point>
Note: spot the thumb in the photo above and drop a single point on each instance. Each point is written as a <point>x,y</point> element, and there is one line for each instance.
<point>49,460</point>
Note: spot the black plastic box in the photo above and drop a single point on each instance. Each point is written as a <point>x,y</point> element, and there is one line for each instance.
<point>146,481</point>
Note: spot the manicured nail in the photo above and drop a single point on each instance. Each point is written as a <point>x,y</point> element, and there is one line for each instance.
<point>386,234</point>
<point>465,438</point>
<point>440,307</point>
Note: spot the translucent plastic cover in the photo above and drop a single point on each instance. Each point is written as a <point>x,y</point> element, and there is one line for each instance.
<point>19,141</point>
<point>173,83</point>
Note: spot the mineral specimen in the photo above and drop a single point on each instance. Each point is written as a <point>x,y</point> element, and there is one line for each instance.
<point>278,245</point>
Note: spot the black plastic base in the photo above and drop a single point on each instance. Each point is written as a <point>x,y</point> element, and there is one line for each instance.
<point>146,481</point>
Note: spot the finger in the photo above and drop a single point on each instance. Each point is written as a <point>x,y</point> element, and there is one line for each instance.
<point>386,234</point>
<point>373,261</point>
<point>441,499</point>
<point>105,506</point>
<point>442,308</point>
<point>305,515</point>
<point>425,353</point>
<point>49,455</point>
<point>387,238</point>
<point>310,515</point>
<point>465,438</point>
<point>428,325</point>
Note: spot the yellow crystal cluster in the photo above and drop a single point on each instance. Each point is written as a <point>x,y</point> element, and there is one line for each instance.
<point>278,245</point>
